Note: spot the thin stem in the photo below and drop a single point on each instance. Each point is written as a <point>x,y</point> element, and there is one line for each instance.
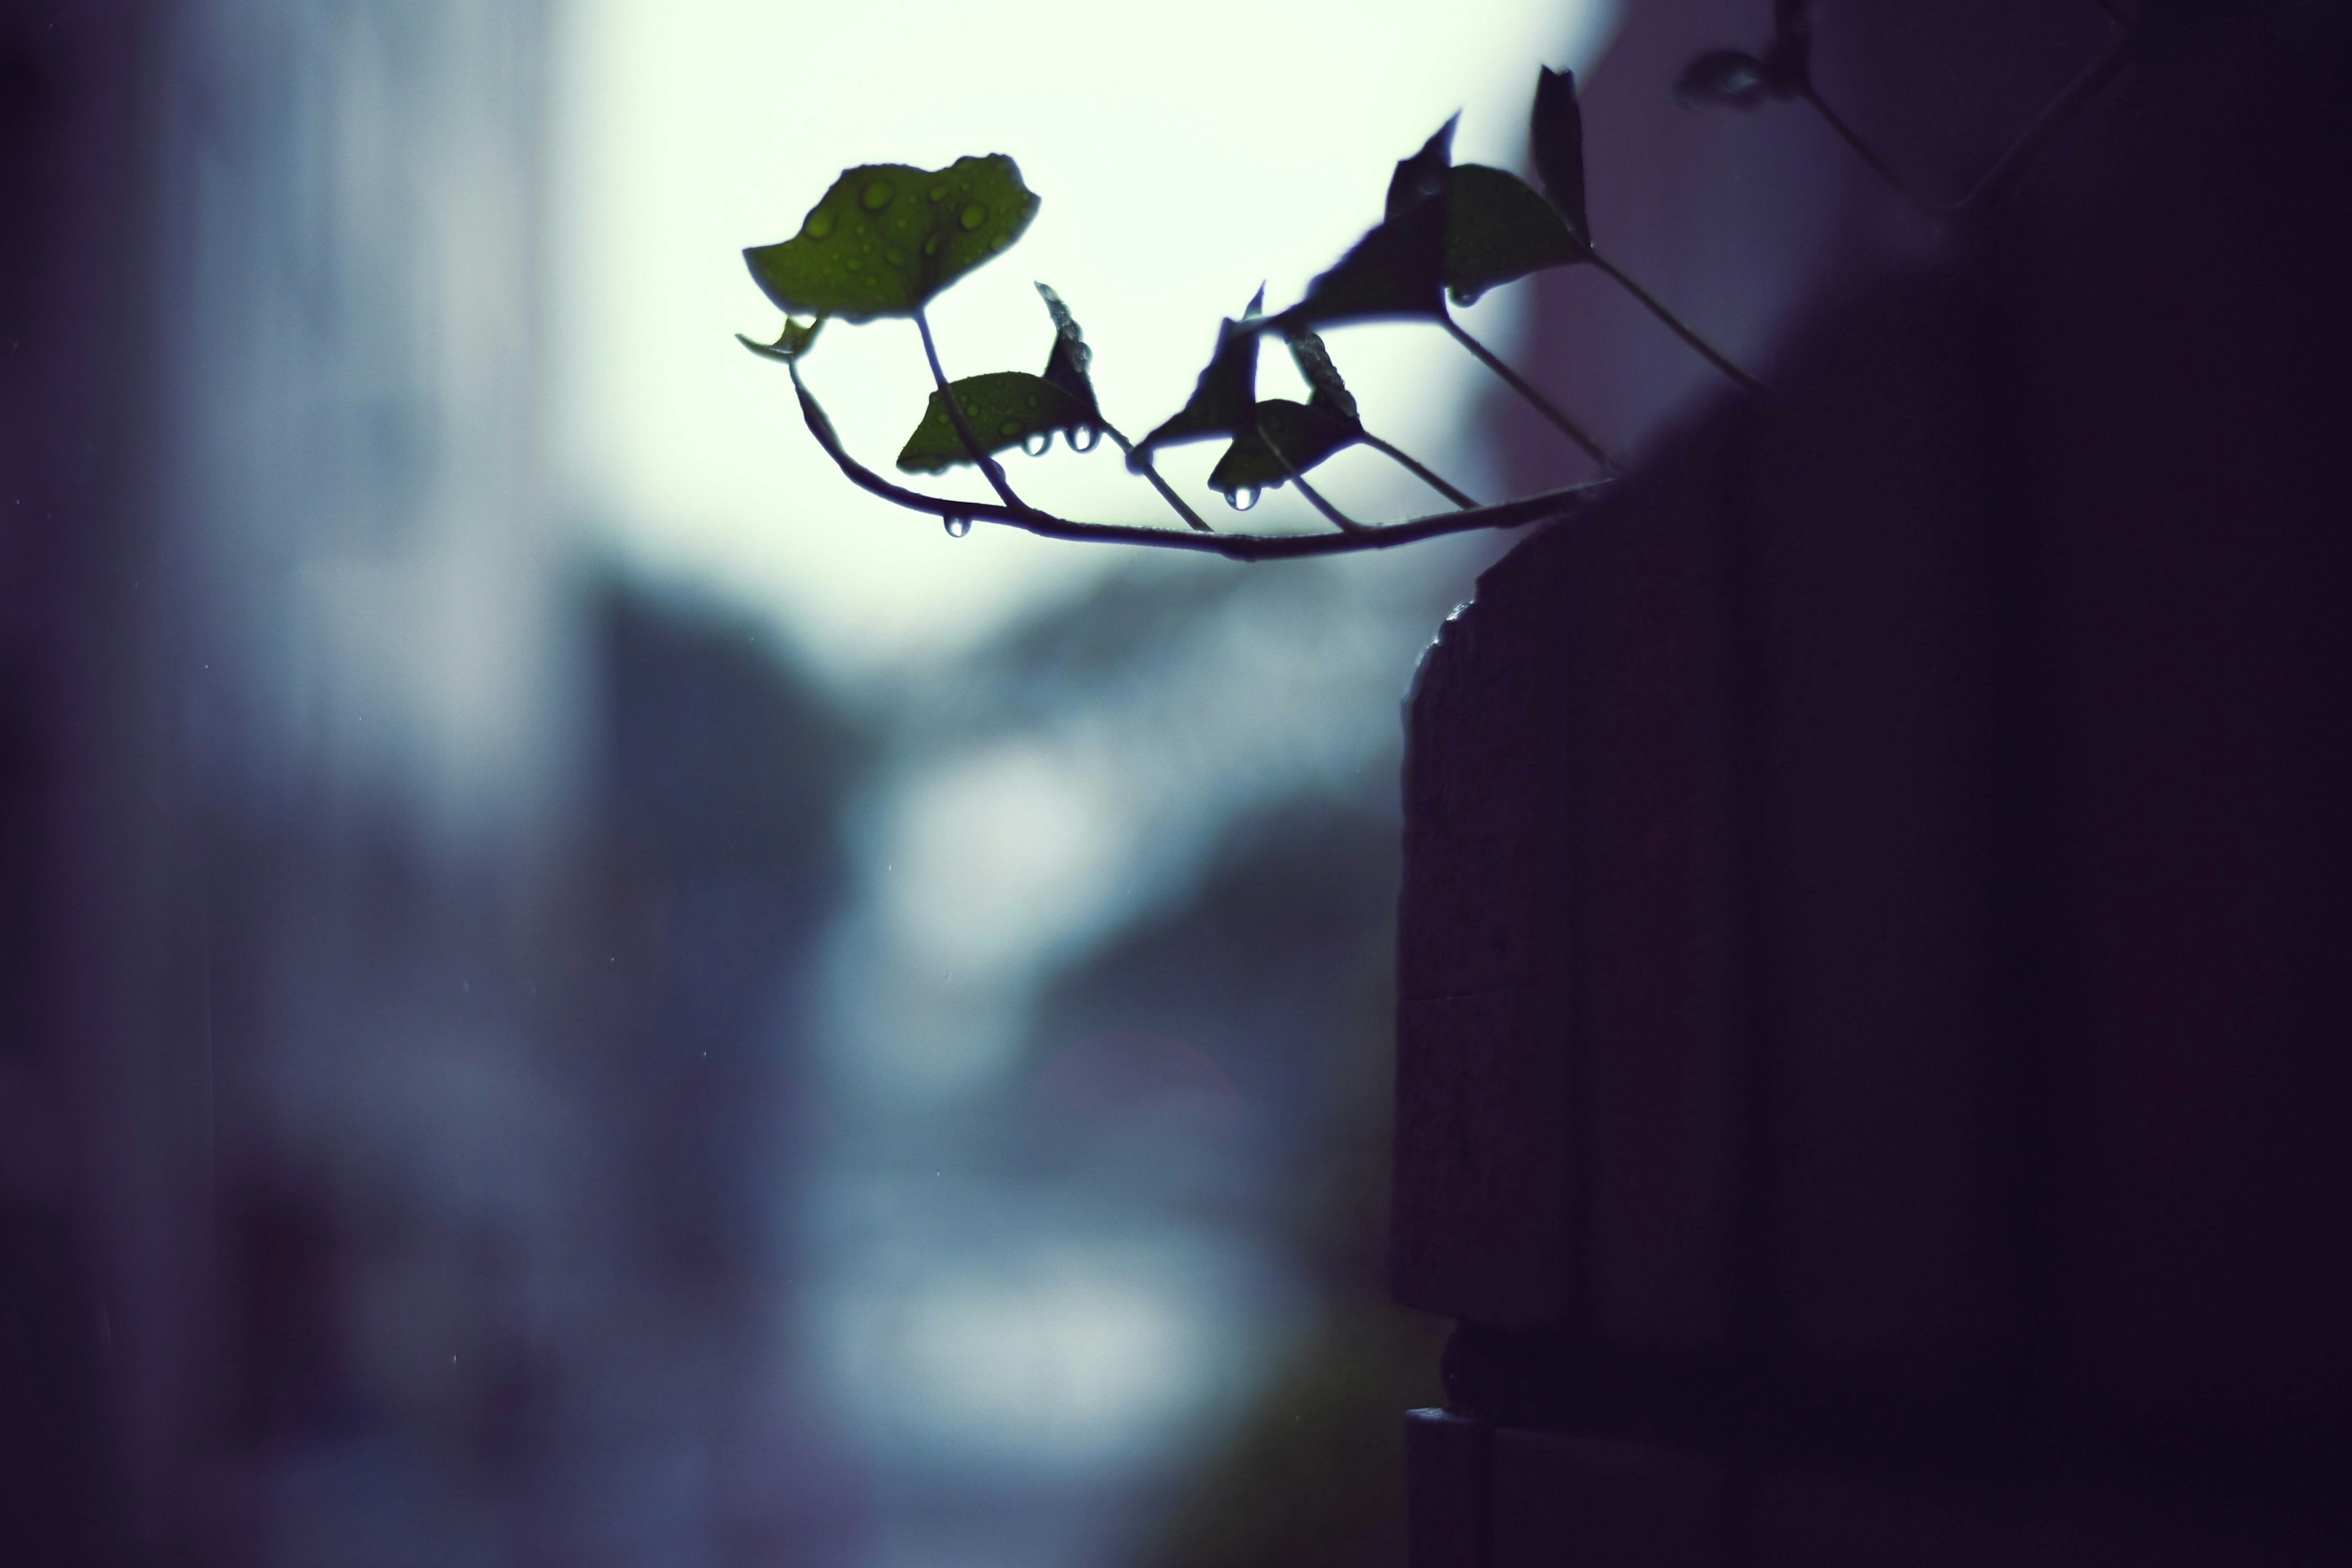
<point>1314,496</point>
<point>988,465</point>
<point>2018,160</point>
<point>1868,153</point>
<point>1549,507</point>
<point>1675,324</point>
<point>1520,384</point>
<point>1143,466</point>
<point>1418,470</point>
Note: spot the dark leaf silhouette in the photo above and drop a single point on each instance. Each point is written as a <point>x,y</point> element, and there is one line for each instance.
<point>1315,366</point>
<point>1723,76</point>
<point>1497,230</point>
<point>887,238</point>
<point>1789,62</point>
<point>1065,367</point>
<point>793,342</point>
<point>1422,175</point>
<point>1398,269</point>
<point>1005,408</point>
<point>1306,433</point>
<point>1556,140</point>
<point>1227,391</point>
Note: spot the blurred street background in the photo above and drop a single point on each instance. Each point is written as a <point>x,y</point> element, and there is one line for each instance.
<point>581,992</point>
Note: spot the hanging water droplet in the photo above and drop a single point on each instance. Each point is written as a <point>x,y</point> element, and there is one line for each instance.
<point>1084,438</point>
<point>819,225</point>
<point>1037,443</point>
<point>1241,499</point>
<point>878,195</point>
<point>973,215</point>
<point>958,526</point>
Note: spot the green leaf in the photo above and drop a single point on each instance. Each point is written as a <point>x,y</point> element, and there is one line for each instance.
<point>1497,230</point>
<point>1306,433</point>
<point>1065,367</point>
<point>887,238</point>
<point>1555,138</point>
<point>1226,392</point>
<point>1005,408</point>
<point>793,342</point>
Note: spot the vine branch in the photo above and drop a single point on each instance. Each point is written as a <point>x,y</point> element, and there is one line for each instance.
<point>1520,384</point>
<point>1549,506</point>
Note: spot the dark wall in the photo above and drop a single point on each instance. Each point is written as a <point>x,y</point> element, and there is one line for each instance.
<point>1871,1030</point>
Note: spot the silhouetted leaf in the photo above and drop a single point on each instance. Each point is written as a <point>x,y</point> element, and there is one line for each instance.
<point>1723,76</point>
<point>1005,408</point>
<point>1422,175</point>
<point>1314,362</point>
<point>1497,230</point>
<point>1227,391</point>
<point>887,238</point>
<point>1397,269</point>
<point>1556,139</point>
<point>1066,366</point>
<point>793,342</point>
<point>1306,433</point>
<point>1789,62</point>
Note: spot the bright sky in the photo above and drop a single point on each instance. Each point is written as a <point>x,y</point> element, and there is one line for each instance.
<point>1183,155</point>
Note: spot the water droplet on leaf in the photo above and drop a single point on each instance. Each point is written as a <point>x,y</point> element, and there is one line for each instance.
<point>958,526</point>
<point>819,225</point>
<point>932,245</point>
<point>974,215</point>
<point>938,193</point>
<point>893,256</point>
<point>1009,427</point>
<point>1242,499</point>
<point>878,195</point>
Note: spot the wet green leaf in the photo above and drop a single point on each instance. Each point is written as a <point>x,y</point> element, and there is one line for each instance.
<point>1556,139</point>
<point>1307,433</point>
<point>1005,408</point>
<point>887,238</point>
<point>793,342</point>
<point>1227,390</point>
<point>1723,76</point>
<point>1066,366</point>
<point>1497,230</point>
